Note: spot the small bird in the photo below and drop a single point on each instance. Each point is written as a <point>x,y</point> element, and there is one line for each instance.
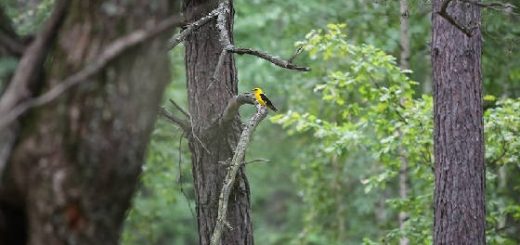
<point>262,99</point>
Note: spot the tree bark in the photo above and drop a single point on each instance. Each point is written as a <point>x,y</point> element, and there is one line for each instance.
<point>211,143</point>
<point>458,134</point>
<point>76,162</point>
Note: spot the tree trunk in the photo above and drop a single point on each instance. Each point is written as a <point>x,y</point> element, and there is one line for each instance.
<point>458,135</point>
<point>404,64</point>
<point>210,145</point>
<point>76,162</point>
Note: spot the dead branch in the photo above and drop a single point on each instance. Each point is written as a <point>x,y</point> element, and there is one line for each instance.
<point>228,47</point>
<point>273,59</point>
<point>174,41</point>
<point>235,165</point>
<point>233,105</point>
<point>180,108</point>
<point>183,124</point>
<point>110,53</point>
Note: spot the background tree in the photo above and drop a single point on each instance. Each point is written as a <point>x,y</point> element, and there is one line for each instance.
<point>459,209</point>
<point>76,160</point>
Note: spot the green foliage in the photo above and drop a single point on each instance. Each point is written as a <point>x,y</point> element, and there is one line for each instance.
<point>373,119</point>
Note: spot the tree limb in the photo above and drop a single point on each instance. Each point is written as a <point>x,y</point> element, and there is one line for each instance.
<point>235,165</point>
<point>179,108</point>
<point>32,61</point>
<point>228,47</point>
<point>273,59</point>
<point>183,124</point>
<point>114,50</point>
<point>233,105</point>
<point>174,41</point>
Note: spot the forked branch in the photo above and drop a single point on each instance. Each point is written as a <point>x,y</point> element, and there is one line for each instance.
<point>228,47</point>
<point>233,105</point>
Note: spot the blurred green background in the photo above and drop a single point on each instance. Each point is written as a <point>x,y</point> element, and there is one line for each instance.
<point>335,148</point>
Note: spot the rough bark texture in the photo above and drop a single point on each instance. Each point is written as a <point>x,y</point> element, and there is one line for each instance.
<point>215,143</point>
<point>75,165</point>
<point>458,136</point>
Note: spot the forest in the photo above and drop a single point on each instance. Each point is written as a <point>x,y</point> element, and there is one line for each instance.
<point>236,122</point>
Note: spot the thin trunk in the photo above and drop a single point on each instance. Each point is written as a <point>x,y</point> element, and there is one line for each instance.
<point>210,145</point>
<point>458,135</point>
<point>405,65</point>
<point>76,163</point>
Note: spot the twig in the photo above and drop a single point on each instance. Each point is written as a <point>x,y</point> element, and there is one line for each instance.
<point>174,41</point>
<point>296,53</point>
<point>235,165</point>
<point>194,135</point>
<point>180,177</point>
<point>180,108</point>
<point>183,124</point>
<point>111,52</point>
<point>257,160</point>
<point>228,47</point>
<point>273,59</point>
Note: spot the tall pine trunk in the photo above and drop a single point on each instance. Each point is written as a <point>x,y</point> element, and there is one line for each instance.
<point>75,164</point>
<point>211,145</point>
<point>458,134</point>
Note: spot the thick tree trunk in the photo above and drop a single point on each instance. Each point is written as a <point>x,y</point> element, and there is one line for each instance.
<point>76,162</point>
<point>210,145</point>
<point>458,135</point>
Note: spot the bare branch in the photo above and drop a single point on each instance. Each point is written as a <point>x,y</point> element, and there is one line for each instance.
<point>174,41</point>
<point>111,52</point>
<point>257,160</point>
<point>273,59</point>
<point>32,60</point>
<point>296,53</point>
<point>183,124</point>
<point>179,108</point>
<point>234,104</point>
<point>222,25</point>
<point>236,164</point>
<point>228,47</point>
